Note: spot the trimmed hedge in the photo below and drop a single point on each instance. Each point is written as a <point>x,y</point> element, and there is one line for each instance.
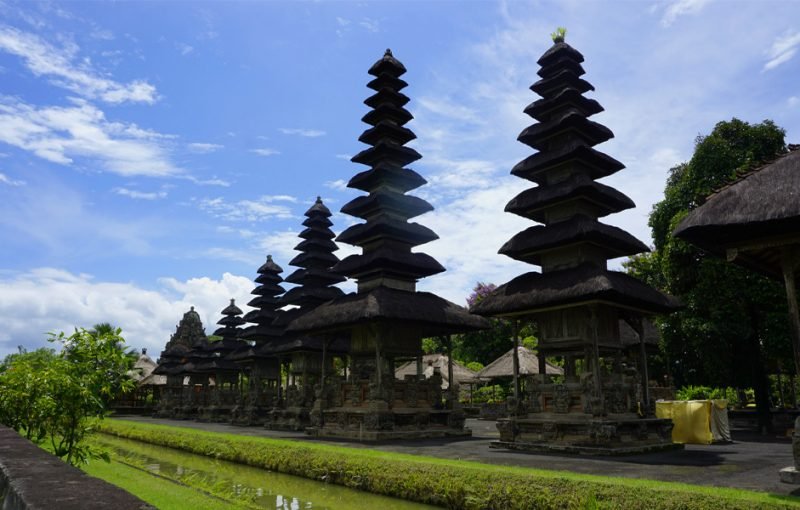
<point>447,483</point>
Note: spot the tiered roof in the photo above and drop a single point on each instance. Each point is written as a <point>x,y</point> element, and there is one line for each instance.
<point>387,270</point>
<point>314,278</point>
<point>387,236</point>
<point>571,246</point>
<point>230,331</point>
<point>266,304</point>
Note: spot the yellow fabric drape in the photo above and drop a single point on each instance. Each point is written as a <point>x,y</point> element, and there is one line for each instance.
<point>691,419</point>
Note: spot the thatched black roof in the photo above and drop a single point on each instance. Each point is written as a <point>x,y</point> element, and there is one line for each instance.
<point>266,304</point>
<point>531,243</point>
<point>423,311</point>
<point>533,202</point>
<point>574,286</point>
<point>756,214</point>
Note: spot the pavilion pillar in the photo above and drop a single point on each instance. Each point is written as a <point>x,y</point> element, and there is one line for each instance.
<point>639,327</point>
<point>789,261</point>
<point>450,391</point>
<point>419,366</point>
<point>322,383</point>
<point>515,358</point>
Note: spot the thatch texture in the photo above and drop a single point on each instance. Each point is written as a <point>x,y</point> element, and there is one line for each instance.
<point>430,362</point>
<point>504,365</point>
<point>759,213</point>
<point>584,284</point>
<point>427,312</point>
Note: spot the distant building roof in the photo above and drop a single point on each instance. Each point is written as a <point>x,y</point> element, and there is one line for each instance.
<point>430,362</point>
<point>504,365</point>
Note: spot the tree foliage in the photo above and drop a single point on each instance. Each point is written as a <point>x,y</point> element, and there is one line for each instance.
<point>54,397</point>
<point>731,320</point>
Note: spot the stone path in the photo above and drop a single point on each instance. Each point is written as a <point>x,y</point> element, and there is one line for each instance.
<point>750,462</point>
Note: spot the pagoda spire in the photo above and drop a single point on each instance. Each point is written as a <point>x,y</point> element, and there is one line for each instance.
<point>387,237</point>
<point>567,199</point>
<point>314,278</point>
<point>230,322</point>
<point>266,304</point>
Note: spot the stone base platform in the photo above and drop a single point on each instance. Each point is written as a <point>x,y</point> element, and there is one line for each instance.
<point>585,435</point>
<point>790,475</point>
<point>365,424</point>
<point>293,419</point>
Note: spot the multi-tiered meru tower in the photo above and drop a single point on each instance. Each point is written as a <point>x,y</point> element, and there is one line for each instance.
<point>387,317</point>
<point>307,359</point>
<point>576,302</point>
<point>261,373</point>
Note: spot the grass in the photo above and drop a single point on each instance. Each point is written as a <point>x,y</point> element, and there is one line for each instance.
<point>159,492</point>
<point>443,482</point>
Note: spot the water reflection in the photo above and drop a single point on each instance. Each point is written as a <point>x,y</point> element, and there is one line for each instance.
<point>257,487</point>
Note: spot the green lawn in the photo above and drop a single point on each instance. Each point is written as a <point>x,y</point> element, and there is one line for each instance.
<point>443,482</point>
<point>161,493</point>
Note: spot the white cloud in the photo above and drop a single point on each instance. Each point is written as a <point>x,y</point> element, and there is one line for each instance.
<point>140,195</point>
<point>782,50</point>
<point>60,134</point>
<point>793,101</point>
<point>4,179</point>
<point>371,25</point>
<point>308,133</point>
<point>147,317</point>
<point>265,152</point>
<point>204,148</point>
<point>347,157</point>
<point>44,59</point>
<point>262,209</point>
<point>678,8</point>
<point>214,181</point>
<point>338,184</point>
<point>184,48</point>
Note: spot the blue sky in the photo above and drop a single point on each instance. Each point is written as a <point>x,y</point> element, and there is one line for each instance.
<point>153,153</point>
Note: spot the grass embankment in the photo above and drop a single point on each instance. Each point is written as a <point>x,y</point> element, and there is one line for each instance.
<point>448,483</point>
<point>159,492</point>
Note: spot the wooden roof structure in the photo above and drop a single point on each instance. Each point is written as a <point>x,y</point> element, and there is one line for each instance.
<point>387,270</point>
<point>504,365</point>
<point>755,222</point>
<point>571,245</point>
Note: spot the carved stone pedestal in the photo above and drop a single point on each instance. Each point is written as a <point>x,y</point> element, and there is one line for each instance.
<point>611,435</point>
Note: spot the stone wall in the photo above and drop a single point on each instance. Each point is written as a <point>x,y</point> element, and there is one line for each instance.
<point>31,478</point>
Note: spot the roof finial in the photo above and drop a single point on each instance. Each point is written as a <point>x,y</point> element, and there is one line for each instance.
<point>559,35</point>
<point>388,53</point>
<point>233,301</point>
<point>319,199</point>
<point>269,258</point>
<point>191,309</point>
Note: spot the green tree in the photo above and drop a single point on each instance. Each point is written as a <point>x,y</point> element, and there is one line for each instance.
<point>728,325</point>
<point>55,398</point>
<point>487,345</point>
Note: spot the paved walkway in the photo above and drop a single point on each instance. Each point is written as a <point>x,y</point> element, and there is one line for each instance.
<point>750,462</point>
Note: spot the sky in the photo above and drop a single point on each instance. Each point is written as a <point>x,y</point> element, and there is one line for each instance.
<point>153,153</point>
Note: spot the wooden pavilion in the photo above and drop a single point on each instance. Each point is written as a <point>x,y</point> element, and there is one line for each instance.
<point>755,222</point>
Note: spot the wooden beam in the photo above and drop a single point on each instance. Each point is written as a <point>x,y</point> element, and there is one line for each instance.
<point>789,260</point>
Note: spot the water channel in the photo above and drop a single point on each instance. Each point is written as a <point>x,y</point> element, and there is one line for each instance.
<point>257,487</point>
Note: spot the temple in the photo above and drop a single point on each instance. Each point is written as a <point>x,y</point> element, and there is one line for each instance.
<point>386,319</point>
<point>306,359</point>
<point>600,405</point>
<point>261,372</point>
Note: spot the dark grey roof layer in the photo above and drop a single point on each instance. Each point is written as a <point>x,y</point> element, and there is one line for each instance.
<point>764,205</point>
<point>423,310</point>
<point>531,292</point>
